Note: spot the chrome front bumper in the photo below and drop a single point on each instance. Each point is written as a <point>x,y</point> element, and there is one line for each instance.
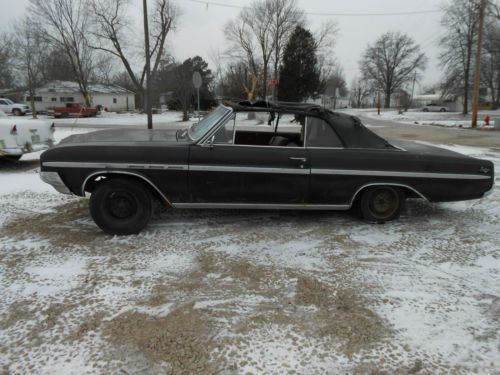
<point>53,178</point>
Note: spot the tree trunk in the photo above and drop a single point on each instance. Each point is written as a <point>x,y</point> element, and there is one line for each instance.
<point>31,90</point>
<point>465,108</point>
<point>276,72</point>
<point>264,82</point>
<point>387,99</point>
<point>86,98</point>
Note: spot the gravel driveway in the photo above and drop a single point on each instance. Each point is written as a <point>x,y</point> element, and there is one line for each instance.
<point>237,292</point>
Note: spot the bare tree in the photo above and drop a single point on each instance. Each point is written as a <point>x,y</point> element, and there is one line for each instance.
<point>284,16</point>
<point>335,83</point>
<point>6,77</point>
<point>66,24</point>
<point>112,33</point>
<point>360,91</point>
<point>460,21</point>
<point>31,54</point>
<point>239,33</point>
<point>325,38</point>
<point>495,9</point>
<point>259,19</point>
<point>490,62</point>
<point>391,62</point>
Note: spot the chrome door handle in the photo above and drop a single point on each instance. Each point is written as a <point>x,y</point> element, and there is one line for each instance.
<point>301,159</point>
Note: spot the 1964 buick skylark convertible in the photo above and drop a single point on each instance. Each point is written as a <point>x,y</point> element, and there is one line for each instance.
<point>257,155</point>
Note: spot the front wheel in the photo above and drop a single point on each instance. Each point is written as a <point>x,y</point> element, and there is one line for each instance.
<point>381,203</point>
<point>16,112</point>
<point>121,207</point>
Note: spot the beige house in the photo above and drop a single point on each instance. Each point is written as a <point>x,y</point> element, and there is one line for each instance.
<point>58,93</point>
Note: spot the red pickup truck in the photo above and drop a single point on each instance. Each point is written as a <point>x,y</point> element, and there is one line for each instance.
<point>72,109</point>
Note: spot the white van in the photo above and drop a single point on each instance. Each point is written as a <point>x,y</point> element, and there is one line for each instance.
<point>19,137</point>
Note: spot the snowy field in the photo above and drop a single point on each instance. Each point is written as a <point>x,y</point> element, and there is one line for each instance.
<point>448,119</point>
<point>237,292</point>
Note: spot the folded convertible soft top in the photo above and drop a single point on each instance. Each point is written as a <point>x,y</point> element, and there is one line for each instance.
<point>349,128</point>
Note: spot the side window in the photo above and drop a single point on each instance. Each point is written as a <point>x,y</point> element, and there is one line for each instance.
<point>225,134</point>
<point>319,133</point>
<point>3,102</point>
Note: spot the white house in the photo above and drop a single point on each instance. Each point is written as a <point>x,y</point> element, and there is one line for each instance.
<point>58,93</point>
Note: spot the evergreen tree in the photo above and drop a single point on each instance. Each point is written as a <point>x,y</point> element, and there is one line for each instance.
<point>299,73</point>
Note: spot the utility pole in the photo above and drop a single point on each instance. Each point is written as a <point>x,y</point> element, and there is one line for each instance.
<point>148,66</point>
<point>477,76</point>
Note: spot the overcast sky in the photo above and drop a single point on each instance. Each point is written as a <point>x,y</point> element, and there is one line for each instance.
<point>200,27</point>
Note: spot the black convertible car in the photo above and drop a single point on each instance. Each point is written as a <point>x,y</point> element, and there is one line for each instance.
<point>257,155</point>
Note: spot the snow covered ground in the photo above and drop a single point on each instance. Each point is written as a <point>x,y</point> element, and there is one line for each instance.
<point>453,119</point>
<point>237,292</point>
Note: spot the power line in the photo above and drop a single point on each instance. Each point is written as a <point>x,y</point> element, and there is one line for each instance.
<point>225,5</point>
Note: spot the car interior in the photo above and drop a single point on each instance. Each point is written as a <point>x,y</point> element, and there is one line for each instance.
<point>276,129</point>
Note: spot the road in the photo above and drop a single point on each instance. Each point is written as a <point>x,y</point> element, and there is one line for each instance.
<point>435,134</point>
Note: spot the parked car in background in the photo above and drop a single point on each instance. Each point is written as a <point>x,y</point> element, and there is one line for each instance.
<point>17,109</point>
<point>19,137</point>
<point>435,108</point>
<point>260,155</point>
<point>73,110</point>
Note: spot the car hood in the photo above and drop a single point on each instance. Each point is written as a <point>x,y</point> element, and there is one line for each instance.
<point>123,136</point>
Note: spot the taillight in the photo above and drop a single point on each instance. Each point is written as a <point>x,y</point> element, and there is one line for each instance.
<point>13,131</point>
<point>53,127</point>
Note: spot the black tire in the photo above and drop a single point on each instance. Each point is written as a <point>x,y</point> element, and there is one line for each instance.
<point>16,112</point>
<point>381,203</point>
<point>121,206</point>
<point>442,110</point>
<point>425,110</point>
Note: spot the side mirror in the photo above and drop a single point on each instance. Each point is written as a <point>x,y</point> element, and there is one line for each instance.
<point>211,141</point>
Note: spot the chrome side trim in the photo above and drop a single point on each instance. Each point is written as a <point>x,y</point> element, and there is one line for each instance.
<point>145,179</point>
<point>353,198</point>
<point>259,146</point>
<point>67,164</point>
<point>263,206</point>
<point>355,172</point>
<point>314,171</point>
<point>220,168</point>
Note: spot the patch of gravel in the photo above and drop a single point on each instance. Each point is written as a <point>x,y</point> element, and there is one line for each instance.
<point>238,292</point>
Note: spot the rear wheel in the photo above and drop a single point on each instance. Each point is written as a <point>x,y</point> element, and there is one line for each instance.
<point>381,203</point>
<point>121,207</point>
<point>442,110</point>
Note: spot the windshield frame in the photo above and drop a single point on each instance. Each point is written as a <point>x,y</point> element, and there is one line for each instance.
<point>213,128</point>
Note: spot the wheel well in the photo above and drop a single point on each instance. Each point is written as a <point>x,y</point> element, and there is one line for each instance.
<point>408,191</point>
<point>94,180</point>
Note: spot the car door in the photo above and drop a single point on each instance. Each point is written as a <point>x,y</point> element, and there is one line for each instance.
<point>327,154</point>
<point>224,173</point>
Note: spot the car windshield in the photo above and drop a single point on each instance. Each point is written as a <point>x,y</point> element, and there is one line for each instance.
<point>199,129</point>
<point>9,101</point>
